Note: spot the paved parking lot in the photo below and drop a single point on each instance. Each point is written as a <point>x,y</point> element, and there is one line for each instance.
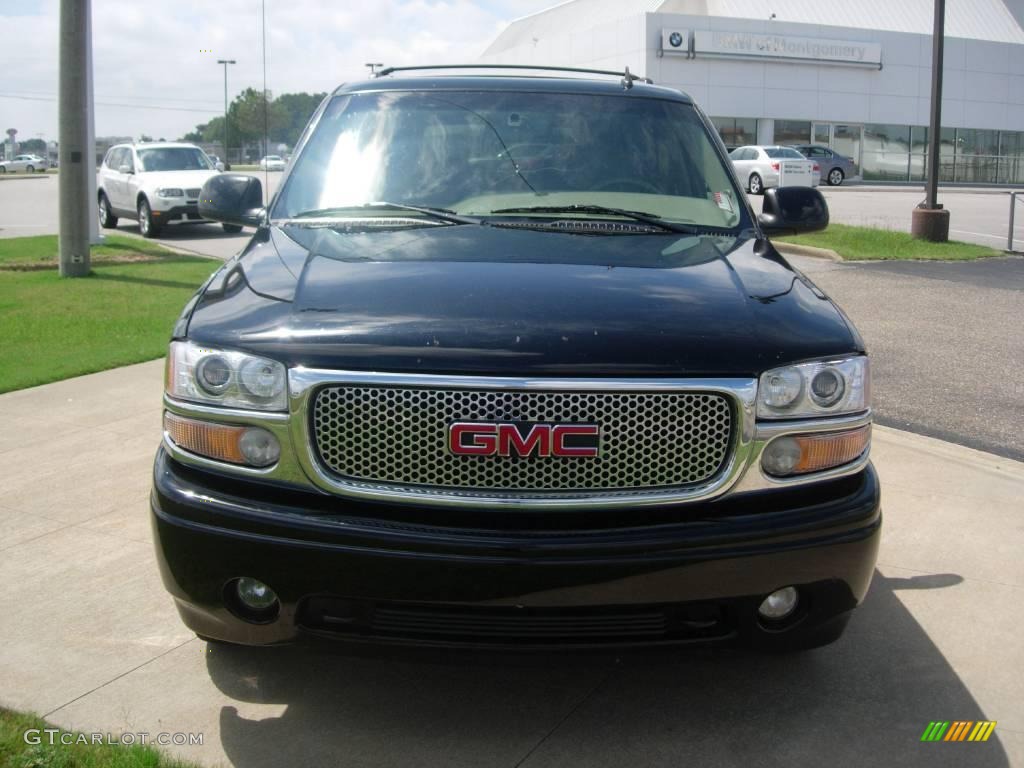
<point>945,344</point>
<point>29,207</point>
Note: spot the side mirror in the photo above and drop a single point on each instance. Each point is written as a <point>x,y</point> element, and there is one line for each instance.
<point>220,166</point>
<point>232,198</point>
<point>125,169</point>
<point>792,210</point>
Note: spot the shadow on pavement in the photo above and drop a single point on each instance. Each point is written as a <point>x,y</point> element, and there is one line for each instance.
<point>864,700</point>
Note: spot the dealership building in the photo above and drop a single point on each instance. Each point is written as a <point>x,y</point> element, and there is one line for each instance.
<point>853,75</point>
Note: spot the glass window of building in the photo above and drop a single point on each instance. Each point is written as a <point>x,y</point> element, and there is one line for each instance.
<point>736,131</point>
<point>886,152</point>
<point>792,131</point>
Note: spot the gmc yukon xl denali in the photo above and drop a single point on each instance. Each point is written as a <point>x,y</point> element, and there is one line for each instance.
<point>510,361</point>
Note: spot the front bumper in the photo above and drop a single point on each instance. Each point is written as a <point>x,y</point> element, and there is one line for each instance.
<point>183,212</point>
<point>372,572</point>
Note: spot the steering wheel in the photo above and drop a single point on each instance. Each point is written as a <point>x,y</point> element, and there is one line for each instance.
<point>616,185</point>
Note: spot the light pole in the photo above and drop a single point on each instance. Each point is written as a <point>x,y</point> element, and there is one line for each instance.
<point>930,221</point>
<point>374,66</point>
<point>225,62</point>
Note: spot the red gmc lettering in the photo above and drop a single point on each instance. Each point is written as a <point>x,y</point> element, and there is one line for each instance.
<point>483,440</point>
<point>542,440</point>
<point>562,431</point>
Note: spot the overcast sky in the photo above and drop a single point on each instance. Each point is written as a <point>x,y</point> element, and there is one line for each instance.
<point>153,73</point>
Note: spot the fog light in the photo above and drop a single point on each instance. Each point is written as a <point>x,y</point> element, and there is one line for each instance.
<point>259,447</point>
<point>255,595</point>
<point>779,604</point>
<point>781,456</point>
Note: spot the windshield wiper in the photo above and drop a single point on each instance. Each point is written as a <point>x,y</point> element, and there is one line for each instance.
<point>440,214</point>
<point>645,218</point>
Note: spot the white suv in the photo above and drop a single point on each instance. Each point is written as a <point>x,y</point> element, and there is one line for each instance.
<point>155,183</point>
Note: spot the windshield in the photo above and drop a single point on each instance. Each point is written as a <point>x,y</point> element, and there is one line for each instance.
<point>475,153</point>
<point>174,159</point>
<point>784,153</point>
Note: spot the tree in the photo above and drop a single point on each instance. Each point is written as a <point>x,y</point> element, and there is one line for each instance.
<point>297,108</point>
<point>33,146</point>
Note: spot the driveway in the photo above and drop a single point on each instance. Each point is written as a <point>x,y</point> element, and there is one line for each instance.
<point>91,640</point>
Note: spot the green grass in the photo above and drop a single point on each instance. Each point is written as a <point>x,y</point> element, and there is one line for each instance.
<point>865,243</point>
<point>15,753</point>
<point>53,328</point>
<point>42,250</point>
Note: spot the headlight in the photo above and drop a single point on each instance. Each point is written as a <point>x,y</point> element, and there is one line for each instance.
<point>169,192</point>
<point>822,388</point>
<point>224,377</point>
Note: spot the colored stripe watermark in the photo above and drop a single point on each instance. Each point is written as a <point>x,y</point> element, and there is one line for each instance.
<point>958,730</point>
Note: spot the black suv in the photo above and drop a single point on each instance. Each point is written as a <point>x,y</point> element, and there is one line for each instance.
<point>509,361</point>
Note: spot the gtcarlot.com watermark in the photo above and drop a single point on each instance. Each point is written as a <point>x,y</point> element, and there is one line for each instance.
<point>55,736</point>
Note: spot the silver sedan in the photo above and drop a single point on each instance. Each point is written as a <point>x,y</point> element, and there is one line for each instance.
<point>26,163</point>
<point>760,168</point>
<point>835,168</point>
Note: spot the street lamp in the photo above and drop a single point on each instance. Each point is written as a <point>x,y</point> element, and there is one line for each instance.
<point>373,67</point>
<point>225,62</point>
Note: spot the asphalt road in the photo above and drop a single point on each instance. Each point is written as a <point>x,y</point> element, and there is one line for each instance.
<point>29,206</point>
<point>944,337</point>
<point>945,342</point>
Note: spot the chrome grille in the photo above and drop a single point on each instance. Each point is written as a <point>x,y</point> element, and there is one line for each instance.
<point>398,435</point>
<point>192,194</point>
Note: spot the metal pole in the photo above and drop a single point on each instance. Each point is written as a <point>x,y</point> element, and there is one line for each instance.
<point>225,62</point>
<point>95,238</point>
<point>73,132</point>
<point>935,127</point>
<point>1013,210</point>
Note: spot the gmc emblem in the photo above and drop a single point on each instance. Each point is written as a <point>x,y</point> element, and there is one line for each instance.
<point>475,438</point>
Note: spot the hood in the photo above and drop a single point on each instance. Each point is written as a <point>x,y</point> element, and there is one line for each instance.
<point>181,179</point>
<point>516,302</point>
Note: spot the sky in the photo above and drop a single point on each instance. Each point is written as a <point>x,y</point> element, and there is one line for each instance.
<point>155,66</point>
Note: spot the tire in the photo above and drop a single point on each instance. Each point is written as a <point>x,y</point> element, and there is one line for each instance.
<point>232,229</point>
<point>835,177</point>
<point>107,219</point>
<point>147,226</point>
<point>755,184</point>
<point>30,169</point>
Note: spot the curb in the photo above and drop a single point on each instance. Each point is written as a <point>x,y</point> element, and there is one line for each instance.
<point>791,249</point>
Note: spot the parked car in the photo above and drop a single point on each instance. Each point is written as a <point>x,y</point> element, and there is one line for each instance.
<point>835,168</point>
<point>272,163</point>
<point>156,183</point>
<point>760,168</point>
<point>514,383</point>
<point>24,163</point>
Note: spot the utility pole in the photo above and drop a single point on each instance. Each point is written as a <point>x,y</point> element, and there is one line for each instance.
<point>73,131</point>
<point>225,62</point>
<point>930,221</point>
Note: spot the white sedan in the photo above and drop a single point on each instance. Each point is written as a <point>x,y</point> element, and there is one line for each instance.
<point>760,168</point>
<point>272,163</point>
<point>26,163</point>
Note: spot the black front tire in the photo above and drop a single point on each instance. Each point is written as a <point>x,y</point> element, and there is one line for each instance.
<point>107,219</point>
<point>148,226</point>
<point>756,185</point>
<point>232,229</point>
<point>835,177</point>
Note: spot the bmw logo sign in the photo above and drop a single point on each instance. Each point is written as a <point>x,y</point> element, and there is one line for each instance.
<point>675,39</point>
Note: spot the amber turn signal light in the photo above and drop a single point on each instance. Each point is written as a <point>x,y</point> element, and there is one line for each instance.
<point>801,454</point>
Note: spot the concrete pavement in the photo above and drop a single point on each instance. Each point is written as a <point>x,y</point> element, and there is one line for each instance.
<point>90,639</point>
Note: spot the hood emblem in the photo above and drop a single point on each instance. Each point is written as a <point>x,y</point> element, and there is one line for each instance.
<point>524,439</point>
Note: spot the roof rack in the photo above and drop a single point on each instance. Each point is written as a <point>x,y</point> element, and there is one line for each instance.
<point>628,78</point>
